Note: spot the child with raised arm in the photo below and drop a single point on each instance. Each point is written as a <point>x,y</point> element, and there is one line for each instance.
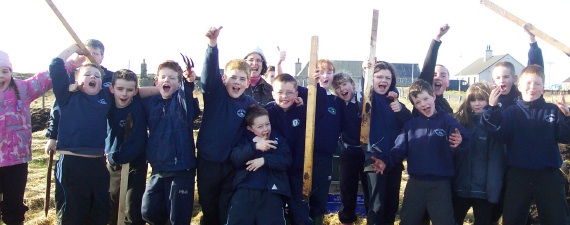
<point>222,126</point>
<point>429,142</point>
<point>126,143</point>
<point>261,159</point>
<point>16,136</point>
<point>82,180</point>
<point>479,169</point>
<point>531,129</point>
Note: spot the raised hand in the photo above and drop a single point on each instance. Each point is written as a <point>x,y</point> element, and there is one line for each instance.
<point>213,34</point>
<point>282,55</point>
<point>563,106</point>
<point>455,139</point>
<point>253,165</point>
<point>378,166</point>
<point>442,31</point>
<point>494,96</point>
<point>531,36</point>
<point>395,105</point>
<point>263,144</point>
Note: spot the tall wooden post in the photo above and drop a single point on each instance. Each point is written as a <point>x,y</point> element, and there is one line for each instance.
<point>367,92</point>
<point>310,129</point>
<point>504,13</point>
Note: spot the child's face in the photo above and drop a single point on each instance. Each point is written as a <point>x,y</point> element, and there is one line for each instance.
<point>503,77</point>
<point>425,103</point>
<point>382,81</point>
<point>440,80</point>
<point>325,78</point>
<point>123,91</point>
<point>531,87</point>
<point>284,94</point>
<point>96,53</point>
<point>90,78</point>
<point>345,91</point>
<point>236,82</point>
<point>256,63</point>
<point>167,82</point>
<point>477,105</point>
<point>5,78</point>
<point>261,126</point>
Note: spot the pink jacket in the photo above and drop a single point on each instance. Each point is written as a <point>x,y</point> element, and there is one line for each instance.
<point>15,120</point>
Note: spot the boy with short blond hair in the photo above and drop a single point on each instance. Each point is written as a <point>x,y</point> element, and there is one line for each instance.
<point>531,129</point>
<point>428,141</point>
<point>222,126</point>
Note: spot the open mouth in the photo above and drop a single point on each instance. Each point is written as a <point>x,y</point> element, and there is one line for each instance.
<point>92,83</point>
<point>123,100</point>
<point>503,88</point>
<point>236,89</point>
<point>426,111</point>
<point>344,93</point>
<point>166,87</point>
<point>437,84</point>
<point>2,83</point>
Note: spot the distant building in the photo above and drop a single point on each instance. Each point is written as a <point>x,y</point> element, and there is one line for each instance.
<point>482,68</point>
<point>404,71</point>
<point>566,84</point>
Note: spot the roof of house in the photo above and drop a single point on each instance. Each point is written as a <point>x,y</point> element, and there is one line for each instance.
<point>479,65</point>
<point>354,68</point>
<point>567,80</point>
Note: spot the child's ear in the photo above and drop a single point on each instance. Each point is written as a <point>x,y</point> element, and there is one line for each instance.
<point>249,128</point>
<point>111,89</point>
<point>224,78</point>
<point>515,78</point>
<point>136,91</point>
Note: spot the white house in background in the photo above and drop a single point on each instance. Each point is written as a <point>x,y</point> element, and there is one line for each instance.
<point>482,68</point>
<point>566,84</point>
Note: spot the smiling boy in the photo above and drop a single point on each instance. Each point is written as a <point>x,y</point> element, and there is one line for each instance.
<point>222,126</point>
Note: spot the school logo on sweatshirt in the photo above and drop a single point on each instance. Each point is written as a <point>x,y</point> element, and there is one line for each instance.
<point>332,110</point>
<point>241,113</point>
<point>122,123</point>
<point>550,118</point>
<point>102,101</point>
<point>107,84</point>
<point>296,122</point>
<point>439,132</point>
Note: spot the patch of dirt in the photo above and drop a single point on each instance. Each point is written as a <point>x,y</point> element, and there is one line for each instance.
<point>40,117</point>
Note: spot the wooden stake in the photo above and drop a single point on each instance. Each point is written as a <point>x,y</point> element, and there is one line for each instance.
<point>123,193</point>
<point>310,129</point>
<point>48,183</point>
<point>367,93</point>
<point>504,13</point>
<point>74,36</point>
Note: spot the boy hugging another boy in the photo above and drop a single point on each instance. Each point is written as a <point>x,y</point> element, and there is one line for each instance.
<point>531,129</point>
<point>82,179</point>
<point>261,159</point>
<point>428,142</point>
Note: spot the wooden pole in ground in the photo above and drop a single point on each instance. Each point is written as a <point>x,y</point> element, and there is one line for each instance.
<point>74,36</point>
<point>48,183</point>
<point>310,129</point>
<point>504,13</point>
<point>367,92</point>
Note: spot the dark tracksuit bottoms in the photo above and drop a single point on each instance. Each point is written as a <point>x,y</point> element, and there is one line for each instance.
<point>82,195</point>
<point>136,187</point>
<point>262,201</point>
<point>351,171</point>
<point>12,185</point>
<point>169,192</point>
<point>433,195</point>
<point>385,188</point>
<point>218,179</point>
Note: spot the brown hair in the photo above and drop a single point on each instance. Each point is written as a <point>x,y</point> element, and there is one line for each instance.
<point>171,65</point>
<point>14,86</point>
<point>239,65</point>
<point>417,87</point>
<point>533,70</point>
<point>253,112</point>
<point>76,74</point>
<point>477,91</point>
<point>325,63</point>
<point>286,78</point>
<point>125,74</point>
<point>340,78</point>
<point>507,65</point>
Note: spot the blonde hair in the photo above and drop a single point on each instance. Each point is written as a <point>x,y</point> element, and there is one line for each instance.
<point>477,91</point>
<point>326,64</point>
<point>239,65</point>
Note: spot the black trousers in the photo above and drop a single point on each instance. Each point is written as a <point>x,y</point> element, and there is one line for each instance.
<point>351,171</point>
<point>215,189</point>
<point>482,210</point>
<point>12,185</point>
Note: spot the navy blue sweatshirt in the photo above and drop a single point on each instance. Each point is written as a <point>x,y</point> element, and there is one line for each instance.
<point>170,146</point>
<point>121,147</point>
<point>351,122</point>
<point>53,121</point>
<point>222,121</point>
<point>292,124</point>
<point>531,130</point>
<point>424,141</point>
<point>83,122</point>
<point>327,127</point>
<point>385,125</point>
<point>272,176</point>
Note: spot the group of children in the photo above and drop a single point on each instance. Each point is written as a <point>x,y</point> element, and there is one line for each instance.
<point>499,149</point>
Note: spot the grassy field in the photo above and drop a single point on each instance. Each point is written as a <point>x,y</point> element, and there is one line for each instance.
<point>35,190</point>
